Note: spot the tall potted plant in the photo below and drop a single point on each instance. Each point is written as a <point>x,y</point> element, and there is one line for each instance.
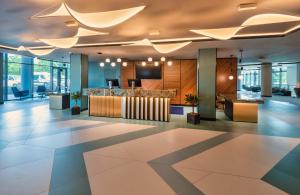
<point>193,100</point>
<point>75,109</point>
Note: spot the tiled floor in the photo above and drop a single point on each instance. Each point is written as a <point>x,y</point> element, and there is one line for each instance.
<point>46,151</point>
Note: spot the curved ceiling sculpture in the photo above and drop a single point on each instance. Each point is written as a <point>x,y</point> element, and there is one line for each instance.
<point>82,32</point>
<point>170,47</point>
<point>161,48</point>
<point>63,43</point>
<point>37,52</point>
<point>94,20</point>
<point>41,52</point>
<point>261,19</point>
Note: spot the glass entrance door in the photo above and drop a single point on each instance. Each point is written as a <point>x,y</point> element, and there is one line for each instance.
<point>59,81</point>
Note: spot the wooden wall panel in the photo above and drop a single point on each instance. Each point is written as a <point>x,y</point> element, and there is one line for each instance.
<point>172,79</point>
<point>127,73</point>
<point>188,71</point>
<point>152,84</point>
<point>223,84</point>
<point>181,76</point>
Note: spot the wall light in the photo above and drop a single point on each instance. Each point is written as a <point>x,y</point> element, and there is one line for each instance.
<point>125,64</point>
<point>144,63</point>
<point>170,63</point>
<point>240,77</point>
<point>163,59</point>
<point>102,64</point>
<point>231,77</point>
<point>150,59</point>
<point>113,64</point>
<point>107,60</point>
<point>119,60</point>
<point>156,63</point>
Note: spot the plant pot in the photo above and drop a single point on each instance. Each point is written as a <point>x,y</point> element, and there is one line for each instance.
<point>297,92</point>
<point>75,110</point>
<point>193,118</point>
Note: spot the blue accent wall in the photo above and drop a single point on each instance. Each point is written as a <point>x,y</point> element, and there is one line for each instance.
<point>97,74</point>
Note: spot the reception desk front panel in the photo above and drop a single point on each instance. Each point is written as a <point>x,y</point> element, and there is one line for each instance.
<point>141,108</point>
<point>146,108</point>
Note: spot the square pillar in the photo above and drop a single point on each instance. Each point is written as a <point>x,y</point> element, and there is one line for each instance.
<point>27,74</point>
<point>2,78</point>
<point>266,80</point>
<point>206,81</point>
<point>79,78</point>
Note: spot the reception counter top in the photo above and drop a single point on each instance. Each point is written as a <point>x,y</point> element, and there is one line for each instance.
<point>137,92</point>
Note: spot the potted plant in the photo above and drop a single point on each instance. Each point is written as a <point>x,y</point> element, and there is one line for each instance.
<point>75,109</point>
<point>297,90</point>
<point>193,100</point>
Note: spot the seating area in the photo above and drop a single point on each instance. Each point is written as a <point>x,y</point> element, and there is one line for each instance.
<point>20,93</point>
<point>281,91</point>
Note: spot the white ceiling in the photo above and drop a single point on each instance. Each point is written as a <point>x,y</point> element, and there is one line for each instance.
<point>172,18</point>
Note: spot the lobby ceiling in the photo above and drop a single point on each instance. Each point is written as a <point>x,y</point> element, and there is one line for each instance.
<point>171,18</point>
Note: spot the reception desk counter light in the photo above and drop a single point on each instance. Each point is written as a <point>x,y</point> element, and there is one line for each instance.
<point>131,104</point>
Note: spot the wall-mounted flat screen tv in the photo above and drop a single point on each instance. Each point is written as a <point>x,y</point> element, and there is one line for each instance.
<point>148,72</point>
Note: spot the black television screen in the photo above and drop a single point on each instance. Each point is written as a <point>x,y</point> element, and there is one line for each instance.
<point>114,82</point>
<point>148,72</point>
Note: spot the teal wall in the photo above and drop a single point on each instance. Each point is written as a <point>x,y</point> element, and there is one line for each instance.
<point>97,74</point>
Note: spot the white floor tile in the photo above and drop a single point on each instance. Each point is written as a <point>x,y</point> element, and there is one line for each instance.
<point>12,156</point>
<point>150,147</point>
<point>248,155</point>
<point>218,184</point>
<point>130,179</point>
<point>26,179</point>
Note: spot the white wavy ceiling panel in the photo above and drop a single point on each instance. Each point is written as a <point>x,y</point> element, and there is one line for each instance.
<point>261,19</point>
<point>64,43</point>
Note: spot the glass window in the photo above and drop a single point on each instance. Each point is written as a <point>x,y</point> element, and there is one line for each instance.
<point>13,74</point>
<point>41,74</point>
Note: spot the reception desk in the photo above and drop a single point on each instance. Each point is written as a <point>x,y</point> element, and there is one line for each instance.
<point>131,104</point>
<point>242,110</point>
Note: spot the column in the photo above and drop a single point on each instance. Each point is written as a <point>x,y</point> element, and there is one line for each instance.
<point>1,78</point>
<point>266,80</point>
<point>79,77</point>
<point>27,74</point>
<point>239,79</point>
<point>206,81</point>
<point>298,76</point>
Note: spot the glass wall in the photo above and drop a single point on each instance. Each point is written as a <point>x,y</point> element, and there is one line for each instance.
<point>27,74</point>
<point>13,75</point>
<point>279,77</point>
<point>250,77</point>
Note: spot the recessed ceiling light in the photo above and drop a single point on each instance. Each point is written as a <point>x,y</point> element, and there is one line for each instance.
<point>154,33</point>
<point>163,59</point>
<point>247,6</point>
<point>107,60</point>
<point>150,59</point>
<point>71,23</point>
<point>119,60</point>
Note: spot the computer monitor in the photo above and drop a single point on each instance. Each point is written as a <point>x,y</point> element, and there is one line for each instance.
<point>114,82</point>
<point>137,82</point>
